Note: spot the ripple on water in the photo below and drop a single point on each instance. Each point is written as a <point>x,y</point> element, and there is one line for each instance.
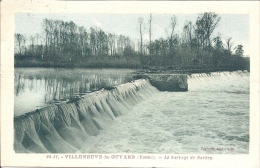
<point>214,113</point>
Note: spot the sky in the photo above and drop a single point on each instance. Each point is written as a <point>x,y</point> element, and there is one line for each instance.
<point>230,25</point>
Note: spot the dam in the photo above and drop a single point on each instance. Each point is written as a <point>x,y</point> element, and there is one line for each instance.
<point>63,127</point>
<point>135,117</point>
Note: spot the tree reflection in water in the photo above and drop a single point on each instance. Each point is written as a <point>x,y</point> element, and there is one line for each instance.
<point>62,84</point>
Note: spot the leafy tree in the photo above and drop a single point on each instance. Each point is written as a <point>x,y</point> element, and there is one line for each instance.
<point>239,50</point>
<point>205,25</point>
<point>65,43</point>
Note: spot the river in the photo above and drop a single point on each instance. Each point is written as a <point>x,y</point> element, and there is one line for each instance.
<point>35,88</point>
<point>212,117</point>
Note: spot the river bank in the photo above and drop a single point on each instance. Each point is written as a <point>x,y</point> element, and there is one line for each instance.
<point>133,63</point>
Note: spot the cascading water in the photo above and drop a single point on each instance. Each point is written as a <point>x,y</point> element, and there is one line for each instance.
<point>62,128</point>
<point>220,82</point>
<point>214,113</point>
<point>211,118</point>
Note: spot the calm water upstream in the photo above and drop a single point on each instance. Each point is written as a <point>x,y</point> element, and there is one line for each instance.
<point>37,87</point>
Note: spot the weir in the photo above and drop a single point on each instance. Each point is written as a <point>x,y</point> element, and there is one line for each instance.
<point>62,128</point>
<point>166,82</point>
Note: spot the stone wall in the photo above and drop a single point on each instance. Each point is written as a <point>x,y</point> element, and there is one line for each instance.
<point>167,82</point>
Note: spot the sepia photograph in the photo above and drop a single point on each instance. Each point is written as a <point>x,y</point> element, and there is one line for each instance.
<point>150,86</point>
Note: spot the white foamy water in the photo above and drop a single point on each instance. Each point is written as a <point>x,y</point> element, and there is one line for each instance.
<point>213,114</point>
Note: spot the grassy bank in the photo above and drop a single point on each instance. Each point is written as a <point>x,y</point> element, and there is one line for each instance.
<point>136,62</point>
<point>90,62</point>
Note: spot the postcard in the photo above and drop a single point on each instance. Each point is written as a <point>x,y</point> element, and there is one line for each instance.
<point>130,84</point>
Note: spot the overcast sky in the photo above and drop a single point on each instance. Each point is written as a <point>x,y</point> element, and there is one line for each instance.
<point>230,25</point>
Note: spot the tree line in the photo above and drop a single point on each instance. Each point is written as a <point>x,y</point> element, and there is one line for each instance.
<point>64,44</point>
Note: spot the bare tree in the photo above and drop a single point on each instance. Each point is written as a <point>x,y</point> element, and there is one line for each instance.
<point>47,32</point>
<point>229,45</point>
<point>173,24</point>
<point>150,38</point>
<point>141,31</point>
<point>170,41</point>
<point>187,29</point>
<point>32,38</point>
<point>111,43</point>
<point>82,39</point>
<point>19,38</point>
<point>65,42</point>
